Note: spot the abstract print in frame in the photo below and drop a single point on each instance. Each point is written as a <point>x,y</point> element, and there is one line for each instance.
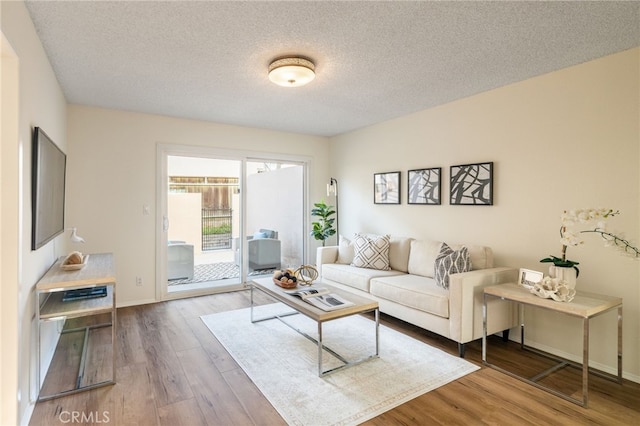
<point>424,186</point>
<point>386,188</point>
<point>472,184</point>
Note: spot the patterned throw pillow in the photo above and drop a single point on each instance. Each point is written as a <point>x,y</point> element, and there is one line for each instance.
<point>450,262</point>
<point>371,252</point>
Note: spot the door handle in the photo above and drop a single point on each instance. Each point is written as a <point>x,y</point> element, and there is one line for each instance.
<point>165,223</point>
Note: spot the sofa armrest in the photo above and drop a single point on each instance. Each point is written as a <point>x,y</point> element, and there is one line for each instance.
<point>327,254</point>
<point>466,294</point>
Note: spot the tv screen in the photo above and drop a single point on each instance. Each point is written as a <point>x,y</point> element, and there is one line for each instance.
<point>48,189</point>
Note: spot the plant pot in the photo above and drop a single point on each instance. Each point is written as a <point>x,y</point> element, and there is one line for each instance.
<point>569,275</point>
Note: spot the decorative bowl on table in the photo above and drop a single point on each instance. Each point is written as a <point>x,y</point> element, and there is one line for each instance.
<point>285,278</point>
<point>74,261</point>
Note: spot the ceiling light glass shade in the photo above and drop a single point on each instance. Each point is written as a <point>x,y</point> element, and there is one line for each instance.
<point>291,72</point>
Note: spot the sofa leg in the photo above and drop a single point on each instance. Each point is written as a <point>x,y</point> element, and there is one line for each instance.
<point>461,350</point>
<point>505,335</point>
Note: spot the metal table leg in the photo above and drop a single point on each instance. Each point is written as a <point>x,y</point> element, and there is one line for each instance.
<point>585,362</point>
<point>620,344</point>
<point>484,328</point>
<point>319,348</point>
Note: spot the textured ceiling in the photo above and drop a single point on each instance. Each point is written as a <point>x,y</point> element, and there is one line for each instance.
<point>374,60</point>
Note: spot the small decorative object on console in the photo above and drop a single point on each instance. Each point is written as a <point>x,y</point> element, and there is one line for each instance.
<point>285,278</point>
<point>553,288</point>
<point>528,278</point>
<point>74,261</point>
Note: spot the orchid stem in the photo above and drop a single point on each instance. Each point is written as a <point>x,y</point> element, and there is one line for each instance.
<point>628,248</point>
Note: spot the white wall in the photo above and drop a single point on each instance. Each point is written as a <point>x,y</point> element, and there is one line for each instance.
<point>112,174</point>
<point>9,235</point>
<point>40,103</point>
<point>185,219</point>
<point>568,139</point>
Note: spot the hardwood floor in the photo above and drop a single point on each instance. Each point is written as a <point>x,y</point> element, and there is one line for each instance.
<point>172,371</point>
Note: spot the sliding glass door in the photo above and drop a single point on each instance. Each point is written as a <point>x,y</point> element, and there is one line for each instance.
<point>203,216</point>
<point>275,215</point>
<point>226,219</point>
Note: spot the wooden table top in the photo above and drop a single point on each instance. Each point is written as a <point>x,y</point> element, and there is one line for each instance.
<point>360,304</point>
<point>99,271</point>
<point>583,305</point>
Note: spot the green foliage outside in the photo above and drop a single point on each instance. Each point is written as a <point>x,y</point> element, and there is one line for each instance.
<point>214,230</point>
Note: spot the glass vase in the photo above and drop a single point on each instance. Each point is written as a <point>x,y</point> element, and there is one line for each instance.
<point>569,275</point>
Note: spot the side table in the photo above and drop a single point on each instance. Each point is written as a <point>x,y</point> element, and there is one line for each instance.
<point>50,306</point>
<point>584,305</point>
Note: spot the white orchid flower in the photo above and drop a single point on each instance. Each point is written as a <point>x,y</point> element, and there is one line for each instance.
<point>570,238</point>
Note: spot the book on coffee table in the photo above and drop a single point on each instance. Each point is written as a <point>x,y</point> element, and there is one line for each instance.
<point>321,298</point>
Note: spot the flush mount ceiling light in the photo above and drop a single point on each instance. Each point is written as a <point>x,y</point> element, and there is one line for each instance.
<point>291,72</point>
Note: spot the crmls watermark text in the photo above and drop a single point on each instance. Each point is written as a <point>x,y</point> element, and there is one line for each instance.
<point>84,417</point>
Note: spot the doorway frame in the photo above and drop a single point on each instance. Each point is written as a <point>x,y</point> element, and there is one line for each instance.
<point>16,359</point>
<point>163,151</point>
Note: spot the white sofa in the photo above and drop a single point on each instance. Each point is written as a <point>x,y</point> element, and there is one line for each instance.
<point>408,290</point>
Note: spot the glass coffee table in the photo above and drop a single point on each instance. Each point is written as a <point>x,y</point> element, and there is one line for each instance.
<point>360,305</point>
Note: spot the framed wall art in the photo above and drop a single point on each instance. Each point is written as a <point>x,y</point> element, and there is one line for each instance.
<point>423,186</point>
<point>472,184</point>
<point>386,188</point>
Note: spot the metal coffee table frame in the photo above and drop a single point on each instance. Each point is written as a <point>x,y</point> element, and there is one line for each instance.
<point>361,305</point>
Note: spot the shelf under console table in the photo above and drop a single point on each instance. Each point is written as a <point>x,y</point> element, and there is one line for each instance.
<point>88,320</point>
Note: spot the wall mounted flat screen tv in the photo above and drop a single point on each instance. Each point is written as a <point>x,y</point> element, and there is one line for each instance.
<point>48,189</point>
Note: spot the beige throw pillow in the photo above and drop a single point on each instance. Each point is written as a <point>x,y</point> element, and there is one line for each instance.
<point>422,257</point>
<point>345,251</point>
<point>399,249</point>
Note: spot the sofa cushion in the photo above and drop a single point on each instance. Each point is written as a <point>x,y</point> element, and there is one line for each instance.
<point>399,249</point>
<point>352,276</point>
<point>423,256</point>
<point>420,293</point>
<point>450,262</point>
<point>481,256</point>
<point>371,252</point>
<point>345,251</point>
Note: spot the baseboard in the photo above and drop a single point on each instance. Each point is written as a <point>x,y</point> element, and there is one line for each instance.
<point>136,303</point>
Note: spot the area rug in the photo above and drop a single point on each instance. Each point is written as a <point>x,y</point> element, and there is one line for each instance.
<point>283,365</point>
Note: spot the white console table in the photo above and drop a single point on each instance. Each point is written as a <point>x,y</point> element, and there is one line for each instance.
<point>99,271</point>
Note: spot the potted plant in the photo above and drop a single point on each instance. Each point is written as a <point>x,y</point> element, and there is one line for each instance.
<point>570,237</point>
<point>323,228</point>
